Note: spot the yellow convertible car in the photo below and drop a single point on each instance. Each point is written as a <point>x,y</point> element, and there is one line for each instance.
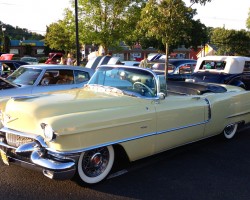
<point>122,111</point>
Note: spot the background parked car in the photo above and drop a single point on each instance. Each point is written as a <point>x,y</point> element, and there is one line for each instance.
<point>130,63</point>
<point>9,66</point>
<point>232,70</point>
<point>30,60</point>
<point>54,58</point>
<point>31,79</point>
<point>97,61</point>
<point>178,69</point>
<point>6,56</point>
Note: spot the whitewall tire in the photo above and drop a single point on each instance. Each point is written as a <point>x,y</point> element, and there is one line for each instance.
<point>230,130</point>
<point>94,165</point>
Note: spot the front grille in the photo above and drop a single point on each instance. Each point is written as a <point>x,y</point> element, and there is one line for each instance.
<point>16,140</point>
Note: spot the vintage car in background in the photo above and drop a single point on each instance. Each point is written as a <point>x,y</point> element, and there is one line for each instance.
<point>9,66</point>
<point>31,79</point>
<point>54,58</point>
<point>96,62</point>
<point>6,56</point>
<point>232,70</point>
<point>122,113</point>
<point>130,63</point>
<point>175,66</point>
<point>182,72</point>
<point>30,60</point>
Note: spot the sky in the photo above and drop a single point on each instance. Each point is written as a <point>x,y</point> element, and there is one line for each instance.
<point>223,13</point>
<point>35,15</point>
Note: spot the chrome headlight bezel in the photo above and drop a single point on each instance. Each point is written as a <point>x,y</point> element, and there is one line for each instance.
<point>48,132</point>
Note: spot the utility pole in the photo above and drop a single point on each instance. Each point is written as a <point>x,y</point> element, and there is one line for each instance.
<point>77,34</point>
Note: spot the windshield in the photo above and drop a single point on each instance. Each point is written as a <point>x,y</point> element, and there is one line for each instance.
<point>130,80</point>
<point>24,76</point>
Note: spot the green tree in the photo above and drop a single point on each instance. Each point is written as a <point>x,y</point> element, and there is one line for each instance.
<point>248,20</point>
<point>166,20</point>
<point>231,42</point>
<point>107,22</point>
<point>198,33</point>
<point>100,22</point>
<point>61,36</point>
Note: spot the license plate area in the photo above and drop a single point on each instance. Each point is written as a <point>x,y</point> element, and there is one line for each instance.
<point>4,157</point>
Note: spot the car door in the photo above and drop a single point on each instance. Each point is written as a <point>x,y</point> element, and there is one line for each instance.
<point>180,120</point>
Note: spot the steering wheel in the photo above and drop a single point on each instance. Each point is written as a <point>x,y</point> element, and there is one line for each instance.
<point>140,84</point>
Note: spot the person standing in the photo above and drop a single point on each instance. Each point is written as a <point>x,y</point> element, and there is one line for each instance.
<point>69,59</point>
<point>144,62</point>
<point>62,61</point>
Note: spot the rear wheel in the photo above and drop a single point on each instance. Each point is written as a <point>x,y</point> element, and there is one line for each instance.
<point>230,130</point>
<point>94,165</point>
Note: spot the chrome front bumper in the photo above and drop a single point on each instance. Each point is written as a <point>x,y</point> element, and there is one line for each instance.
<point>35,156</point>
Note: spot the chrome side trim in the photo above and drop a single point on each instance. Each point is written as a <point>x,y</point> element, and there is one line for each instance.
<point>238,115</point>
<point>126,139</point>
<point>182,127</point>
<point>209,109</point>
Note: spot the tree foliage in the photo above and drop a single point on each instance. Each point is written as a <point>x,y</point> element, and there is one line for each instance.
<point>107,22</point>
<point>231,42</point>
<point>17,33</point>
<point>166,20</point>
<point>248,20</point>
<point>61,35</point>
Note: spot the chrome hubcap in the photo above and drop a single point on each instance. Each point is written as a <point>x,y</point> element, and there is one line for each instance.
<point>95,161</point>
<point>229,129</point>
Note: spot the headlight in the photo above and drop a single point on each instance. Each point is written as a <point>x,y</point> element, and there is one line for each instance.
<point>49,133</point>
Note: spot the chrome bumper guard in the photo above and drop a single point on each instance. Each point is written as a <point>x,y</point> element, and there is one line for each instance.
<point>51,166</point>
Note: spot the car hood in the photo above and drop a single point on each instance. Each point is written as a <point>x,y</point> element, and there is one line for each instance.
<point>26,113</point>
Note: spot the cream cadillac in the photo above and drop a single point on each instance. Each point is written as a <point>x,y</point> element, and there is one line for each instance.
<point>121,111</point>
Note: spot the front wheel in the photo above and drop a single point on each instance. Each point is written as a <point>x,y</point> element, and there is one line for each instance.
<point>94,165</point>
<point>230,130</point>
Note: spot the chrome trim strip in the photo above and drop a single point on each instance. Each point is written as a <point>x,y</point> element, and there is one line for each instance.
<point>29,135</point>
<point>68,153</point>
<point>209,108</point>
<point>182,127</point>
<point>7,130</point>
<point>6,145</point>
<point>238,114</point>
<point>126,139</point>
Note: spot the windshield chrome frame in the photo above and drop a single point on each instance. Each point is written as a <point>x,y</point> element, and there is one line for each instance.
<point>156,77</point>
